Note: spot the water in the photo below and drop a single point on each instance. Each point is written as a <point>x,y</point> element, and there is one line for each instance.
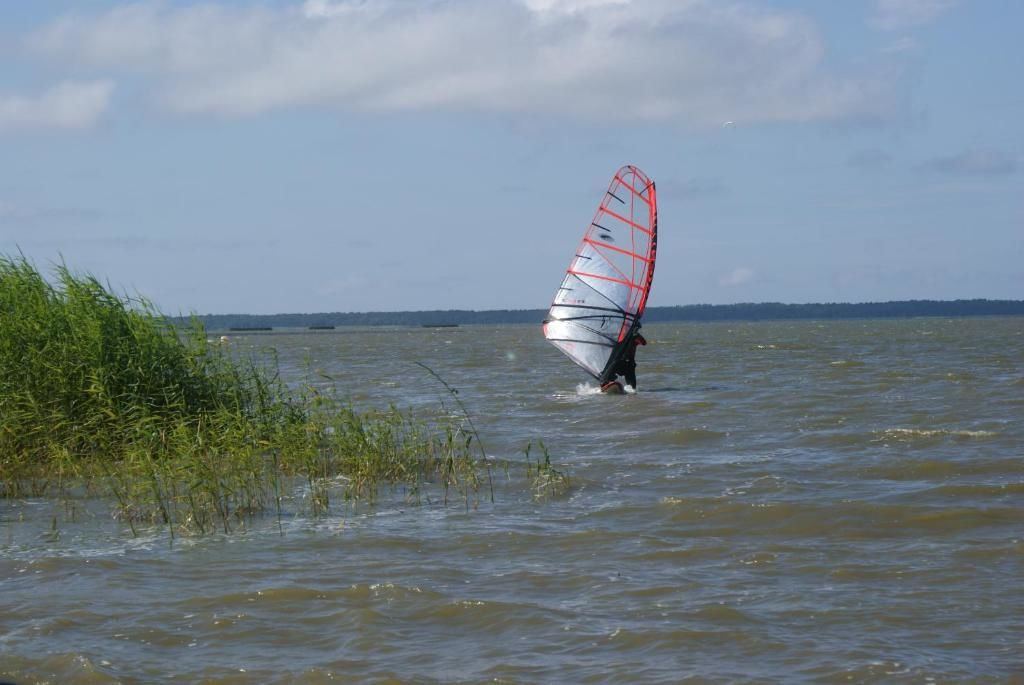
<point>781,502</point>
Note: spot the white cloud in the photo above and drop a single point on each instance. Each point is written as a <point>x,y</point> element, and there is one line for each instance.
<point>692,61</point>
<point>979,162</point>
<point>872,158</point>
<point>904,45</point>
<point>328,8</point>
<point>738,276</point>
<point>20,214</point>
<point>896,15</point>
<point>691,187</point>
<point>569,6</point>
<point>9,211</point>
<point>15,214</point>
<point>66,105</point>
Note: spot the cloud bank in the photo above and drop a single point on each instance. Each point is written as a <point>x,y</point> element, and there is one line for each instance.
<point>898,15</point>
<point>975,163</point>
<point>64,106</point>
<point>869,159</point>
<point>738,276</point>
<point>695,62</point>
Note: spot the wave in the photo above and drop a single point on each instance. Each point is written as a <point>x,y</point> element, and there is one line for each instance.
<point>286,596</point>
<point>814,433</point>
<point>763,485</point>
<point>978,489</point>
<point>781,346</point>
<point>917,434</point>
<point>929,469</point>
<point>960,376</point>
<point>842,519</point>
<point>684,436</point>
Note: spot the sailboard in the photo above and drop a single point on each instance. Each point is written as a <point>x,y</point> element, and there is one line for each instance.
<point>597,308</point>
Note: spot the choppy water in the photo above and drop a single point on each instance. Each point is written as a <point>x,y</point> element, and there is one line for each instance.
<point>781,502</point>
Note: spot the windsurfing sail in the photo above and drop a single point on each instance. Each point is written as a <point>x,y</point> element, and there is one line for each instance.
<point>598,307</point>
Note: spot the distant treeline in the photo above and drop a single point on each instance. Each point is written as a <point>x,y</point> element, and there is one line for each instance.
<point>763,311</point>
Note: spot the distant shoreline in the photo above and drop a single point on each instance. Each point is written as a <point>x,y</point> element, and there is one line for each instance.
<point>764,311</point>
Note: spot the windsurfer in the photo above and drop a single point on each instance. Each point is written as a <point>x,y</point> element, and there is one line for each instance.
<point>626,366</point>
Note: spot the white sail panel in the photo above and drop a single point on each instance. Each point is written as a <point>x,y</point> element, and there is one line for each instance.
<point>605,289</point>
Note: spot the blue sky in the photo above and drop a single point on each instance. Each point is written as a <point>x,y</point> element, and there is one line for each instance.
<point>376,155</point>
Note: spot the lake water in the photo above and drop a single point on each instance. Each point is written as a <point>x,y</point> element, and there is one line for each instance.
<point>833,502</point>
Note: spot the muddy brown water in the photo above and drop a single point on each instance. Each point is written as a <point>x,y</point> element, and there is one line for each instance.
<point>830,501</point>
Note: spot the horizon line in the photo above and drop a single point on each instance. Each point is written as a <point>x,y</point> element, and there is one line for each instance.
<point>977,300</point>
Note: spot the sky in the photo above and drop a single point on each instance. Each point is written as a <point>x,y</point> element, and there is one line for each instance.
<point>386,155</point>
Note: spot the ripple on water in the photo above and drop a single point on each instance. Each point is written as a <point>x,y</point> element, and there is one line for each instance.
<point>682,437</point>
<point>911,468</point>
<point>837,520</point>
<point>931,435</point>
<point>816,502</point>
<point>60,667</point>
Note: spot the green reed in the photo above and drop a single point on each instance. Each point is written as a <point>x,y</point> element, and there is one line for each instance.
<point>105,395</point>
<point>472,432</point>
<point>545,480</point>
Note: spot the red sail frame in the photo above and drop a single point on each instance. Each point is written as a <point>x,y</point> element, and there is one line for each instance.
<point>606,287</point>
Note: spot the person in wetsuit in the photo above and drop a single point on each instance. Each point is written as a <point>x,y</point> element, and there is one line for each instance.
<point>626,366</point>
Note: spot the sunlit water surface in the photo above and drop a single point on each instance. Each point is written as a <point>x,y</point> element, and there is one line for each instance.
<point>781,502</point>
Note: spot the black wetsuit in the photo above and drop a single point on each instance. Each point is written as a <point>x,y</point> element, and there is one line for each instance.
<point>626,366</point>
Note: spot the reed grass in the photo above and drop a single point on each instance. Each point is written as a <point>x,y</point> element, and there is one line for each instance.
<point>546,482</point>
<point>103,394</point>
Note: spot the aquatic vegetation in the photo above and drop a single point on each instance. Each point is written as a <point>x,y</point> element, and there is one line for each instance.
<point>469,421</point>
<point>546,481</point>
<point>104,395</point>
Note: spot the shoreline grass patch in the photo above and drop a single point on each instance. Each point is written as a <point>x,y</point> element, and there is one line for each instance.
<point>104,394</point>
